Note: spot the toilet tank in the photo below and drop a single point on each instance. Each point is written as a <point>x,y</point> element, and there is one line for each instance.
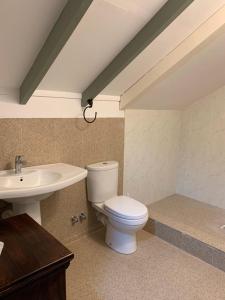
<point>102,181</point>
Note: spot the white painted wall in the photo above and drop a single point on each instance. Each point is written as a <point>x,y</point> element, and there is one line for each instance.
<point>201,172</point>
<point>150,157</point>
<point>54,104</point>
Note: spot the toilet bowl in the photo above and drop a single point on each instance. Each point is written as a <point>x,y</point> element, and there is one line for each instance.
<point>122,215</point>
<point>121,229</point>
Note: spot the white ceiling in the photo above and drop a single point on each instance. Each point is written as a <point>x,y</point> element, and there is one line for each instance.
<point>24,26</point>
<point>105,29</point>
<point>168,40</point>
<point>199,75</point>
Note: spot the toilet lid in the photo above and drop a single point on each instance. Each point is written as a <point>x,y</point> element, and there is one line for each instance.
<point>126,207</point>
<point>103,166</point>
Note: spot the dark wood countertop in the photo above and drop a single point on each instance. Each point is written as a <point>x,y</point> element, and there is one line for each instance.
<point>28,253</point>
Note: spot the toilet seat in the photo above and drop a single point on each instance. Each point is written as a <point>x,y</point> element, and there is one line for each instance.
<point>124,207</point>
<point>100,207</point>
<point>133,222</point>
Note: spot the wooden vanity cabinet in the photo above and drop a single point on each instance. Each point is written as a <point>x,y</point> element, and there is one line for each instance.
<point>32,263</point>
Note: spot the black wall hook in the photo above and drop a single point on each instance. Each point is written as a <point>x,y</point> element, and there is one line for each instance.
<point>89,105</point>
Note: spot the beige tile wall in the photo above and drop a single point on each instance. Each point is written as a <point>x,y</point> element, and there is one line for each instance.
<point>202,150</point>
<point>72,141</point>
<point>152,138</point>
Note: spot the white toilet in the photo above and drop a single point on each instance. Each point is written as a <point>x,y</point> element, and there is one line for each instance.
<point>122,215</point>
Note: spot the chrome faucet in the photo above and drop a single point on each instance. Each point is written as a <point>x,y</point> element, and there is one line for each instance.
<point>18,164</point>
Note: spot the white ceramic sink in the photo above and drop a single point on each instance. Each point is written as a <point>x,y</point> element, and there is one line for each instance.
<point>25,190</point>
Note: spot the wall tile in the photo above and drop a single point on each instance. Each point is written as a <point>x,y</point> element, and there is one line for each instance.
<point>44,141</point>
<point>201,170</point>
<point>38,141</point>
<point>10,142</point>
<point>151,154</point>
<point>61,206</point>
<point>69,140</point>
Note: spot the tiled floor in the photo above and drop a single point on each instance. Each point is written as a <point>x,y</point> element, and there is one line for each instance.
<point>157,271</point>
<point>197,219</point>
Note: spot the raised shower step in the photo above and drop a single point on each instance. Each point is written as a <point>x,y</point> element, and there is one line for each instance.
<point>191,225</point>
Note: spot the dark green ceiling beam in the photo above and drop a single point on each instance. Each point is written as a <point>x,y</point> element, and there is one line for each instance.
<point>62,30</point>
<point>166,15</point>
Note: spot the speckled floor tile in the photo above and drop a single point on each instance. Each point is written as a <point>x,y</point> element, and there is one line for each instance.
<point>157,270</point>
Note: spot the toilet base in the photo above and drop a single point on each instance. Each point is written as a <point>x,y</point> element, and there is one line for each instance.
<point>122,242</point>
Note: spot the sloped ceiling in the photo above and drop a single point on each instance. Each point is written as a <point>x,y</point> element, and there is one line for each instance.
<point>105,29</point>
<point>185,24</point>
<point>196,77</point>
<point>24,26</point>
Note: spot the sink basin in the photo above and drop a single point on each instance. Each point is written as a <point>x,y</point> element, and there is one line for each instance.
<point>28,179</point>
<point>25,190</point>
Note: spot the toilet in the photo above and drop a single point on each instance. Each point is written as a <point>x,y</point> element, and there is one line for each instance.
<point>122,215</point>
